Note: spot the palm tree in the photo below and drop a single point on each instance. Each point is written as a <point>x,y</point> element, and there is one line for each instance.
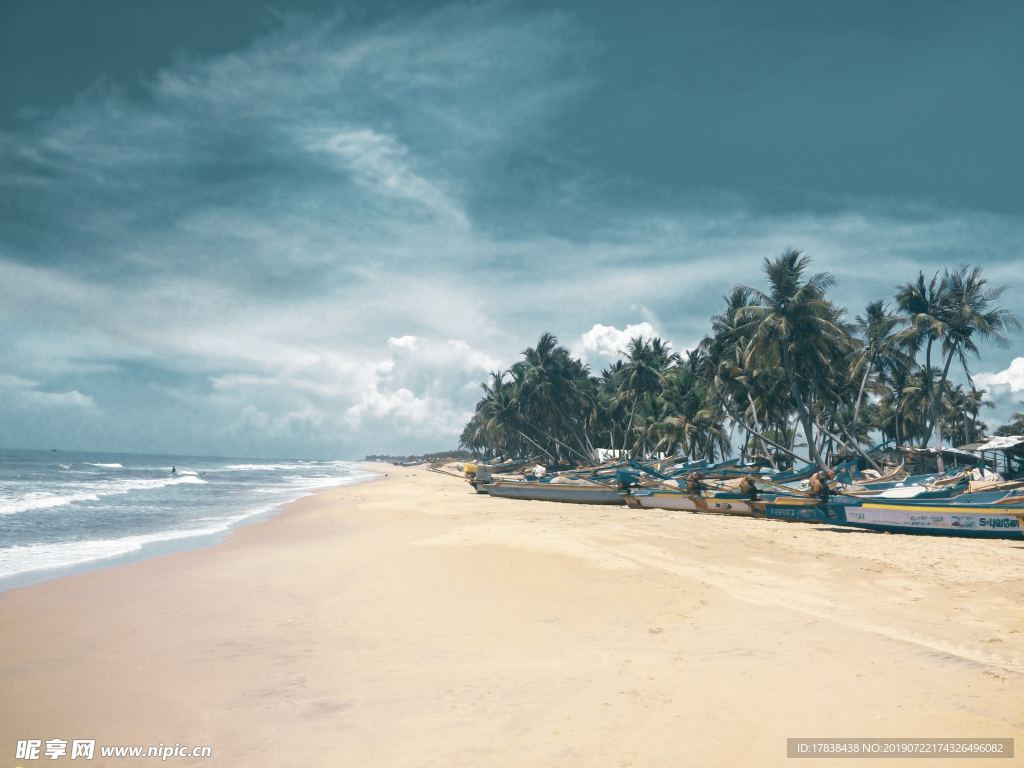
<point>799,328</point>
<point>551,397</point>
<point>750,395</point>
<point>1015,427</point>
<point>914,401</point>
<point>778,362</point>
<point>960,416</point>
<point>923,305</point>
<point>881,352</point>
<point>969,315</point>
<point>646,363</point>
<point>610,409</point>
<point>685,425</point>
<point>501,419</point>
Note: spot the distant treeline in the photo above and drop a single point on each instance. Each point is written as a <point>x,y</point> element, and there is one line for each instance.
<point>454,455</point>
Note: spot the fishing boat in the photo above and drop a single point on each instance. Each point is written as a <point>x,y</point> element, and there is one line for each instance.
<point>573,492</point>
<point>803,509</point>
<point>786,507</point>
<point>980,515</point>
<point>721,503</point>
<point>976,518</point>
<point>999,519</point>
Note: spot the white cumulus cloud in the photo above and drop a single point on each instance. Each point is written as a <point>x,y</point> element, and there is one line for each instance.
<point>1012,377</point>
<point>403,342</point>
<point>606,342</point>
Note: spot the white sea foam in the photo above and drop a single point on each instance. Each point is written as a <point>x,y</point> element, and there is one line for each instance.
<point>125,524</point>
<point>91,492</point>
<point>105,466</point>
<point>259,467</point>
<point>18,560</point>
<point>301,483</point>
<point>36,557</point>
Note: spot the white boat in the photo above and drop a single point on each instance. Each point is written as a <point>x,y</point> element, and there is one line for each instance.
<point>571,492</point>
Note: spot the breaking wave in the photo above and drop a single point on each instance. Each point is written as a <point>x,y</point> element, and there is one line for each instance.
<point>92,492</point>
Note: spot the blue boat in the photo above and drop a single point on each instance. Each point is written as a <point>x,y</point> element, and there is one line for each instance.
<point>947,518</point>
<point>802,509</point>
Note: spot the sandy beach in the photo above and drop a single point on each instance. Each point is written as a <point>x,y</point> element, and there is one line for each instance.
<point>409,622</point>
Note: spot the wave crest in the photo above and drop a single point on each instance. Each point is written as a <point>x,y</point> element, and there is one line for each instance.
<point>35,500</point>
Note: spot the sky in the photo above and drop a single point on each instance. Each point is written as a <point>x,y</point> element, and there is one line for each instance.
<point>311,229</point>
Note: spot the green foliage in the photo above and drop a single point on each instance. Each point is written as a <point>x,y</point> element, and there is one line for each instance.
<point>1015,427</point>
<point>780,363</point>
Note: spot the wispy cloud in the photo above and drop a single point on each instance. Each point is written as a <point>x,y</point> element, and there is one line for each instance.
<point>381,165</point>
<point>23,393</point>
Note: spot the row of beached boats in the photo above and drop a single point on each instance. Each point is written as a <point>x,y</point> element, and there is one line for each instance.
<point>960,502</point>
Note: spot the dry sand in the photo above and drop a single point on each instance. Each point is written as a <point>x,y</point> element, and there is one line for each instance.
<point>409,622</point>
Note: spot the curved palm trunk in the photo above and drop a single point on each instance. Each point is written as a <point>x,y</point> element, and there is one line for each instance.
<point>768,440</point>
<point>559,443</point>
<point>929,390</point>
<point>535,444</point>
<point>629,425</point>
<point>589,445</point>
<point>801,407</point>
<point>850,442</point>
<point>860,395</point>
<point>936,425</point>
<point>899,385</point>
<point>757,422</point>
<point>974,423</point>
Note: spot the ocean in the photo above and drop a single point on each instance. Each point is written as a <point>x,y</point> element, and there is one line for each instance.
<point>63,511</point>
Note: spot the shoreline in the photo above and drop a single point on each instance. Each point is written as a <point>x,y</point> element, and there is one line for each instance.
<point>170,545</point>
<point>412,622</point>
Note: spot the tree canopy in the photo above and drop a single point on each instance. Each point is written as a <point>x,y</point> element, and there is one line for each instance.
<point>781,374</point>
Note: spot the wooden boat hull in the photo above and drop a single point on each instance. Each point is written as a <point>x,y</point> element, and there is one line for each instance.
<point>686,503</point>
<point>992,521</point>
<point>792,510</point>
<point>937,519</point>
<point>786,509</point>
<point>802,510</point>
<point>567,493</point>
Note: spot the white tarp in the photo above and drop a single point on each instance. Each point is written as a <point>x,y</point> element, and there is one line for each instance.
<point>1006,442</point>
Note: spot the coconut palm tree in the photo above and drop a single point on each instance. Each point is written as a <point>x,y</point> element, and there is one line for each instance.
<point>685,425</point>
<point>1015,427</point>
<point>880,353</point>
<point>611,411</point>
<point>923,304</point>
<point>970,315</point>
<point>501,419</point>
<point>551,397</point>
<point>798,328</point>
<point>646,363</point>
<point>960,416</point>
<point>778,363</point>
<point>741,389</point>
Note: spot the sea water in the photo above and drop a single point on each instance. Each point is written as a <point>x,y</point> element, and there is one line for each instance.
<point>62,512</point>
